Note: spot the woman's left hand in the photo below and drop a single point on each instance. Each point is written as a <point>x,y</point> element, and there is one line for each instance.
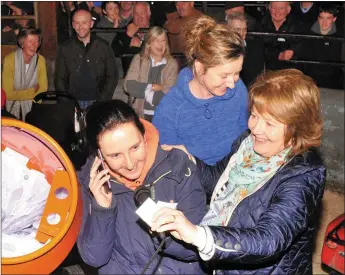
<point>174,221</point>
<point>157,87</point>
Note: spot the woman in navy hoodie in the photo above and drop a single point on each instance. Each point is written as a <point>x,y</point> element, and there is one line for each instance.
<point>207,109</point>
<point>113,237</point>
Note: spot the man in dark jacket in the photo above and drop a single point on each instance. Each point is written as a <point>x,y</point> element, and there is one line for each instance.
<point>326,50</point>
<point>85,64</point>
<point>279,49</point>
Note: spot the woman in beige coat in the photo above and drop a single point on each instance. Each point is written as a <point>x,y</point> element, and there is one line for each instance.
<point>151,73</point>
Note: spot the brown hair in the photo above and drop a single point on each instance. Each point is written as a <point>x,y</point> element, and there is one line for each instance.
<point>211,43</point>
<point>292,98</point>
<point>25,32</point>
<point>152,34</point>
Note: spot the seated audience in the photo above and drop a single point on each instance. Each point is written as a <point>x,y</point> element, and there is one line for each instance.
<point>113,238</point>
<point>11,28</point>
<point>279,49</point>
<point>185,15</point>
<point>130,42</point>
<point>24,73</point>
<point>267,193</point>
<point>207,109</point>
<point>254,59</point>
<point>324,50</point>
<point>306,12</point>
<point>151,74</point>
<point>85,65</point>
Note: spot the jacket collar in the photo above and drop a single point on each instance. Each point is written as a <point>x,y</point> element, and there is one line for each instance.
<point>81,44</point>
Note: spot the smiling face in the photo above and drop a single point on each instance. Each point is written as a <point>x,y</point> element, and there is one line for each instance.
<point>124,150</point>
<point>158,46</point>
<point>111,10</point>
<point>279,11</point>
<point>141,15</point>
<point>82,23</point>
<point>268,134</point>
<point>217,79</point>
<point>326,20</point>
<point>30,45</point>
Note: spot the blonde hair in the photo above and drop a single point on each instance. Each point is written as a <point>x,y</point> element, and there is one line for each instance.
<point>152,35</point>
<point>292,98</point>
<point>211,43</point>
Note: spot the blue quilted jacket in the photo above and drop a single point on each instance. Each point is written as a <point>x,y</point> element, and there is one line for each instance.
<point>116,240</point>
<point>271,231</point>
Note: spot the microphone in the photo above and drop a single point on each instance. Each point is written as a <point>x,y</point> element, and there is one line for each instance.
<point>141,194</point>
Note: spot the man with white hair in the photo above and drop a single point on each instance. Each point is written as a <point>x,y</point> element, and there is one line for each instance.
<point>279,49</point>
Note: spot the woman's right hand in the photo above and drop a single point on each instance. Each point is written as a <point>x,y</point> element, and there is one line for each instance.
<point>96,184</point>
<point>181,147</point>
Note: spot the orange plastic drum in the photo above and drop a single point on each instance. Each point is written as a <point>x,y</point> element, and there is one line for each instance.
<point>47,156</point>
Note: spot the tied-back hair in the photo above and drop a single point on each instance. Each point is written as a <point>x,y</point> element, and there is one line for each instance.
<point>25,32</point>
<point>151,36</point>
<point>292,98</point>
<point>211,43</point>
<point>105,116</point>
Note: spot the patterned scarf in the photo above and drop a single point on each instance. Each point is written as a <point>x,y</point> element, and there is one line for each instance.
<point>246,173</point>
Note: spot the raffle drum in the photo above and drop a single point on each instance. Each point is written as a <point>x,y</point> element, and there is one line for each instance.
<point>46,156</point>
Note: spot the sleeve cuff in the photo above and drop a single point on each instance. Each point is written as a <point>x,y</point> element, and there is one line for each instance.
<point>149,94</point>
<point>102,212</point>
<point>205,243</point>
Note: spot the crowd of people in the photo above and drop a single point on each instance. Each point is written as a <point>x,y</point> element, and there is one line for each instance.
<point>237,128</point>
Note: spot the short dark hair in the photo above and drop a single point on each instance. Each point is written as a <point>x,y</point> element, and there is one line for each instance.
<point>105,3</point>
<point>23,33</point>
<point>106,115</point>
<point>329,8</point>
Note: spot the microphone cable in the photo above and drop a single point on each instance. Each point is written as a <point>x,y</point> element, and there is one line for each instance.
<point>153,256</point>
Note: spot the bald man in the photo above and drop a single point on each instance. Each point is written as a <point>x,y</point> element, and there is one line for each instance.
<point>85,64</point>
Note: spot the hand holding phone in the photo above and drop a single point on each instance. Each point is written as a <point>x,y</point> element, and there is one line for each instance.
<point>107,185</point>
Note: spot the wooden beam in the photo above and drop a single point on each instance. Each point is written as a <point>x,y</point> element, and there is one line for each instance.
<point>46,12</point>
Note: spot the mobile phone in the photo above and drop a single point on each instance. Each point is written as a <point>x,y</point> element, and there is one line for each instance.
<point>107,185</point>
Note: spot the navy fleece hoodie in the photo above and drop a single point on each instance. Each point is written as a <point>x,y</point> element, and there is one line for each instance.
<point>207,127</point>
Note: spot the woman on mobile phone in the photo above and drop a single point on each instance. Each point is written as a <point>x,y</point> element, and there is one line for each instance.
<point>113,237</point>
